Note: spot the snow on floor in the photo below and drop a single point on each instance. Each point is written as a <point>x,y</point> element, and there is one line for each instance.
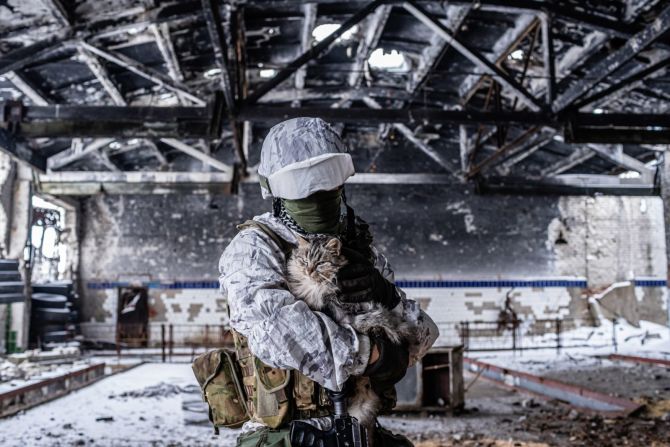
<point>648,340</point>
<point>151,413</point>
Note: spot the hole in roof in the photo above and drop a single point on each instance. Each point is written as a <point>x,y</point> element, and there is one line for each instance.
<point>322,31</point>
<point>393,61</point>
<point>212,73</point>
<point>267,72</point>
<point>516,55</point>
<point>629,174</point>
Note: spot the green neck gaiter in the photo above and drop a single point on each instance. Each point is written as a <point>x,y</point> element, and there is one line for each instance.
<point>318,213</point>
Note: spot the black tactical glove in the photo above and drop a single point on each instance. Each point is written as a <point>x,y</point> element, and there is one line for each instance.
<point>390,367</point>
<point>360,281</point>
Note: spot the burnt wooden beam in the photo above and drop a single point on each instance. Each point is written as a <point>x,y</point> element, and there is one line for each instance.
<point>371,33</point>
<point>309,11</point>
<point>313,53</point>
<point>548,56</point>
<point>143,71</point>
<point>261,113</point>
<point>17,59</point>
<point>576,157</point>
<point>624,82</point>
<point>76,152</point>
<point>500,76</point>
<point>613,61</point>
<point>26,88</point>
<point>412,138</point>
<point>102,75</point>
<point>213,18</point>
<point>568,184</point>
<point>59,11</point>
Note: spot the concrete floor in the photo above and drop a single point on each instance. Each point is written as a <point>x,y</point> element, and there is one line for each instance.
<point>157,404</point>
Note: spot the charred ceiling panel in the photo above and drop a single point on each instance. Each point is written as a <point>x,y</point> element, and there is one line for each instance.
<point>549,60</point>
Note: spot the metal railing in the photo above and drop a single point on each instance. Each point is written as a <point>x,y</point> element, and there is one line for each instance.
<point>525,334</point>
<point>153,339</point>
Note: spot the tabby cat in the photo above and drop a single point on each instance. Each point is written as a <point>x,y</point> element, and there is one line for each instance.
<point>312,273</point>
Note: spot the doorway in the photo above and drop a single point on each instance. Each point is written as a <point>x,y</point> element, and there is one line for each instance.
<point>133,317</point>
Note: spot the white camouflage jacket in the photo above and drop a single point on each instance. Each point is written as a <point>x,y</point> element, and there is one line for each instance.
<point>281,330</point>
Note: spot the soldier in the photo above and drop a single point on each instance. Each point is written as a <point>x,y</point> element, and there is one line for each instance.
<point>303,167</point>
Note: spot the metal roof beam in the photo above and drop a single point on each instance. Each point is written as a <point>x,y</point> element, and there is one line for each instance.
<point>197,154</point>
<point>412,138</point>
<point>313,53</point>
<point>577,157</point>
<point>309,21</point>
<point>214,20</point>
<point>75,152</point>
<point>25,87</point>
<point>476,58</point>
<point>372,29</point>
<point>431,55</point>
<point>145,72</point>
<point>614,61</point>
<point>102,75</point>
<point>503,46</point>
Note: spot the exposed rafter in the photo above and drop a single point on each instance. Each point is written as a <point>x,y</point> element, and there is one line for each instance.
<point>616,155</point>
<point>313,53</point>
<point>309,11</point>
<point>102,75</point>
<point>25,87</point>
<point>614,61</point>
<point>76,152</point>
<point>503,46</point>
<point>214,20</point>
<point>161,34</point>
<point>197,154</point>
<point>59,11</point>
<point>577,157</point>
<point>476,58</point>
<point>146,72</point>
<point>372,31</point>
<point>412,138</point>
<point>433,53</point>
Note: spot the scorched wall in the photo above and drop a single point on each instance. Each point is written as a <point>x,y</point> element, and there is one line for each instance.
<point>460,254</point>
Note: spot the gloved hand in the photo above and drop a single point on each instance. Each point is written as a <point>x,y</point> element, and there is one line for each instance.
<point>360,281</point>
<point>390,367</point>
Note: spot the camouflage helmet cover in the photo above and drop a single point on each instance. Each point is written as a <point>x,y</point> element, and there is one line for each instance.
<point>301,156</point>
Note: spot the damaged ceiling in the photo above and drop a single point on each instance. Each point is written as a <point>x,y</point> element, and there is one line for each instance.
<point>531,96</point>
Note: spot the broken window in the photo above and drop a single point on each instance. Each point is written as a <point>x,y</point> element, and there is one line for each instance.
<point>48,253</point>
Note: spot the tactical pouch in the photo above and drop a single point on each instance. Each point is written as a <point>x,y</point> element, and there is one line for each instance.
<point>266,387</point>
<point>271,404</point>
<point>218,376</point>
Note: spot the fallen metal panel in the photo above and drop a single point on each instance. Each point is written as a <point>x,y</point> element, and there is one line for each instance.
<point>13,401</point>
<point>581,398</point>
<point>635,359</point>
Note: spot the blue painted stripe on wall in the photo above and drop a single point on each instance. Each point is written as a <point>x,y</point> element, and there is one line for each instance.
<point>651,283</point>
<point>505,283</point>
<point>406,284</point>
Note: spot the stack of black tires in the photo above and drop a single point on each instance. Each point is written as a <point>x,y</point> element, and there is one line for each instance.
<point>53,315</point>
<point>11,284</point>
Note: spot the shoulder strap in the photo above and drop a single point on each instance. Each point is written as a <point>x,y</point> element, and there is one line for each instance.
<point>283,245</point>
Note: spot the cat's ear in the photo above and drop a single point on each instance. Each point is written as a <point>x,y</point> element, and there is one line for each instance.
<point>302,242</point>
<point>334,245</point>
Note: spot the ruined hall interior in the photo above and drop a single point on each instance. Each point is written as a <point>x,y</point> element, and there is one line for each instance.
<point>510,161</point>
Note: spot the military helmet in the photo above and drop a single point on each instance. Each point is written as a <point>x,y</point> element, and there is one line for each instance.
<point>301,156</point>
